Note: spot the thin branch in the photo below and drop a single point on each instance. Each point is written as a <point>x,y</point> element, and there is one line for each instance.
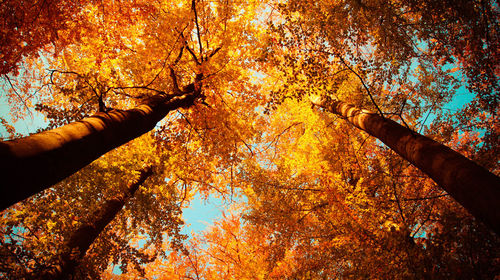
<point>174,81</point>
<point>357,75</point>
<point>397,200</point>
<point>212,186</point>
<point>99,97</point>
<point>363,83</point>
<point>137,87</point>
<point>227,126</point>
<point>191,125</point>
<point>248,147</point>
<point>179,56</point>
<point>309,211</point>
<point>214,51</point>
<point>276,138</point>
<point>422,198</point>
<point>184,186</point>
<point>426,117</point>
<point>362,143</point>
<point>166,58</point>
<point>425,220</point>
<point>18,95</point>
<point>193,55</point>
<point>193,6</point>
<point>401,115</point>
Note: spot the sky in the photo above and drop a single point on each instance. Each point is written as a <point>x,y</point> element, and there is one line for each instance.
<point>201,214</point>
<point>23,126</point>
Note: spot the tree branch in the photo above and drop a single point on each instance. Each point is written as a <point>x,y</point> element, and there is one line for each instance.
<point>193,6</point>
<point>357,75</point>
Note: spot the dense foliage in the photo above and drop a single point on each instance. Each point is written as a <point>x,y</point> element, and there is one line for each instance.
<point>308,195</point>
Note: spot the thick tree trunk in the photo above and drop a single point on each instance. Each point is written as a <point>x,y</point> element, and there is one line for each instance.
<point>79,242</point>
<point>34,163</point>
<point>474,187</point>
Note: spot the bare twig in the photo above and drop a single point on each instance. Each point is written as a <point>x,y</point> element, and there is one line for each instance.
<point>18,95</point>
<point>193,55</point>
<point>401,115</point>
<point>276,138</point>
<point>357,75</point>
<point>193,6</point>
<point>422,198</point>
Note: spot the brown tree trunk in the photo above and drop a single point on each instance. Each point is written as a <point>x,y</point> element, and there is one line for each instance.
<point>474,187</point>
<point>31,164</point>
<point>79,242</point>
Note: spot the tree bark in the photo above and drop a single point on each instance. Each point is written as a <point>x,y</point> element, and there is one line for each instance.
<point>474,187</point>
<point>31,164</point>
<point>79,242</point>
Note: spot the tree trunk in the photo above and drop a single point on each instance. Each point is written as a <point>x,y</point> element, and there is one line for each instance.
<point>79,242</point>
<point>474,187</point>
<point>31,164</point>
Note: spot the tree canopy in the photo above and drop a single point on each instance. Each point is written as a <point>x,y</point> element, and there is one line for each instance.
<point>149,104</point>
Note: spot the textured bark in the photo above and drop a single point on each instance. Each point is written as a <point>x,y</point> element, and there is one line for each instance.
<point>34,163</point>
<point>474,187</point>
<point>79,242</point>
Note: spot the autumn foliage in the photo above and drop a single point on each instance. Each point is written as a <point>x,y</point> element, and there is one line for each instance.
<point>149,104</point>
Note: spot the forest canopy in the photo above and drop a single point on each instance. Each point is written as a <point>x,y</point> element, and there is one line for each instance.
<point>345,139</point>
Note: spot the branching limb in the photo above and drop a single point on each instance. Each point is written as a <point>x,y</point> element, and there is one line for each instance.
<point>401,115</point>
<point>193,6</point>
<point>168,55</point>
<point>214,52</point>
<point>18,95</point>
<point>363,83</point>
<point>175,85</point>
<point>342,60</point>
<point>178,58</point>
<point>193,55</point>
<point>99,96</point>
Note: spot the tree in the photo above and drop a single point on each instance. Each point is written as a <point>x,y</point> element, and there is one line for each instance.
<point>361,53</point>
<point>53,155</point>
<point>81,239</point>
<point>334,202</point>
<point>35,232</point>
<point>477,189</point>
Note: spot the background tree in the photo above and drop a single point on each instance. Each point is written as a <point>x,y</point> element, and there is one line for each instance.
<point>320,203</point>
<point>83,237</point>
<point>35,231</point>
